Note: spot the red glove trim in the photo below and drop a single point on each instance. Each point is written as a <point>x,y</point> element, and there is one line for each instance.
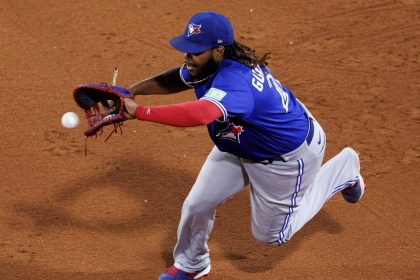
<point>193,113</point>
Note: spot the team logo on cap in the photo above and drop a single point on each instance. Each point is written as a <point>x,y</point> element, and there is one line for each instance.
<point>194,29</point>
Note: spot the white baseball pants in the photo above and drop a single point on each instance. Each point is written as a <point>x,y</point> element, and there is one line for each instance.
<point>284,195</point>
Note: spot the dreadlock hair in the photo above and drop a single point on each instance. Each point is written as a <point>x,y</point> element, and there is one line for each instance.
<point>245,55</point>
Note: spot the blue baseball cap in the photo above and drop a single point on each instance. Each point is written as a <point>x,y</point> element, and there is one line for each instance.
<point>204,31</point>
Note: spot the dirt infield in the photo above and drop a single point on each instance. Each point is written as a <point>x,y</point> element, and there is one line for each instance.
<point>114,214</point>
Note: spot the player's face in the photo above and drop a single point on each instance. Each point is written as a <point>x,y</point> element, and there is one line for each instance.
<point>201,65</point>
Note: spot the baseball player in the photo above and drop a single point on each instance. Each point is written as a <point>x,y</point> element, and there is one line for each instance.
<point>264,137</point>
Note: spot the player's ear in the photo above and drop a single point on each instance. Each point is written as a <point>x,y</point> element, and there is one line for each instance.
<point>220,51</point>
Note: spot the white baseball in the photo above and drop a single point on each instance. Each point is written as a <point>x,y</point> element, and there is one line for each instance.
<point>70,120</point>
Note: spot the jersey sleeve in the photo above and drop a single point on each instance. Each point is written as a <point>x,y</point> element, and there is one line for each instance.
<point>231,92</point>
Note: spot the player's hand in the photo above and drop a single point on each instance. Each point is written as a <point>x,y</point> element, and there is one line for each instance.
<point>130,108</point>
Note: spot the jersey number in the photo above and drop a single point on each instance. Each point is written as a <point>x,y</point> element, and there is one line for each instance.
<point>258,82</point>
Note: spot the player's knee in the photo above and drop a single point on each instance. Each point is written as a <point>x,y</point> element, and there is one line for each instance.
<point>195,207</point>
<point>266,238</point>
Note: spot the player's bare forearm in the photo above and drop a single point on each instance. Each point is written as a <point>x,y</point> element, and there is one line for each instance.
<point>166,82</point>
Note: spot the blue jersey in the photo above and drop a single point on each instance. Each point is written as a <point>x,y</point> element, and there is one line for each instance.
<point>261,118</point>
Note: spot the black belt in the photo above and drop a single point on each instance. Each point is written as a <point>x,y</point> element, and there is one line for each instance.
<point>308,140</point>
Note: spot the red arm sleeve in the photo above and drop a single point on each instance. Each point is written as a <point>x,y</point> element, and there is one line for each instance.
<point>193,113</point>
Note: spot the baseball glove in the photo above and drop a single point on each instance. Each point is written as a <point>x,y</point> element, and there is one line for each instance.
<point>103,105</point>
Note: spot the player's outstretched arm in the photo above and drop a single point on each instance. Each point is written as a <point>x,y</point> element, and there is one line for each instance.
<point>187,114</point>
<point>166,82</point>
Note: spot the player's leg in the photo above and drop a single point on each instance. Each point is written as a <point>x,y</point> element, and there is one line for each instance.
<point>273,198</point>
<point>286,195</point>
<point>276,192</point>
<point>221,176</point>
<point>276,189</point>
<point>339,172</point>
